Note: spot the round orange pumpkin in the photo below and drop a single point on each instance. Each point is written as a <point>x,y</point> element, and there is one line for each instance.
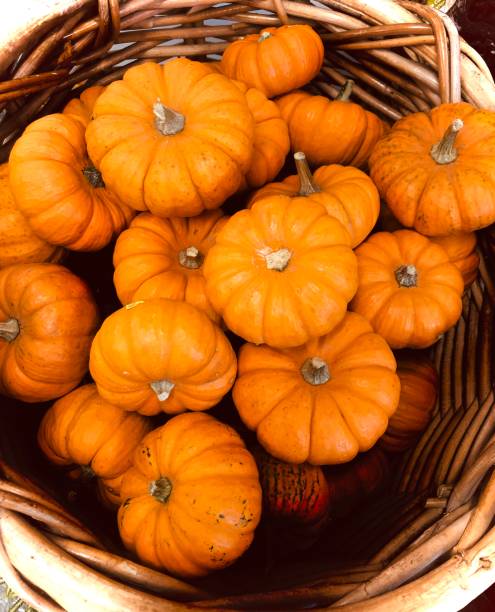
<point>275,60</point>
<point>461,249</point>
<point>281,272</point>
<point>161,355</point>
<point>47,320</point>
<point>82,429</point>
<point>164,258</point>
<point>418,393</point>
<point>58,190</point>
<point>330,131</point>
<point>192,497</point>
<point>348,194</point>
<point>173,150</point>
<point>435,170</point>
<point>408,289</point>
<point>322,402</point>
<point>82,108</point>
<point>18,242</point>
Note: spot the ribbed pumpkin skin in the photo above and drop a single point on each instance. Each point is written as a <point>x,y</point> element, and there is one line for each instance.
<point>175,174</point>
<point>151,260</point>
<point>351,483</point>
<point>347,194</point>
<point>407,316</point>
<point>18,242</point>
<point>271,137</point>
<point>461,249</point>
<point>57,317</point>
<point>418,394</point>
<point>327,423</point>
<point>83,429</point>
<point>438,199</point>
<point>208,521</point>
<point>161,340</point>
<point>284,307</point>
<point>330,131</point>
<point>292,494</point>
<point>276,60</point>
<point>47,179</point>
<point>82,108</point>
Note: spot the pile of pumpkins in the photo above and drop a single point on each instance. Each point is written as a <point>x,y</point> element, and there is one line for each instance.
<point>319,299</point>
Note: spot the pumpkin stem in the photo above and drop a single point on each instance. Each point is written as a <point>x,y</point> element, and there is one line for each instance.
<point>87,473</point>
<point>162,388</point>
<point>315,371</point>
<point>278,260</point>
<point>307,184</point>
<point>161,489</point>
<point>191,258</point>
<point>407,276</point>
<point>345,91</point>
<point>9,330</point>
<point>263,36</point>
<point>167,121</point>
<point>444,152</point>
<point>93,176</point>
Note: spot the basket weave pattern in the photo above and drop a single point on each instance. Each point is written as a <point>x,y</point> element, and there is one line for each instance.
<point>436,543</point>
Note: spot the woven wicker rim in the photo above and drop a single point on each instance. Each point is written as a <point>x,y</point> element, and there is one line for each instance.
<point>404,57</point>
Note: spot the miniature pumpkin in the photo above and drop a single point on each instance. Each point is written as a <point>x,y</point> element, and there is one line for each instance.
<point>276,60</point>
<point>82,108</point>
<point>161,355</point>
<point>461,249</point>
<point>418,394</point>
<point>83,429</point>
<point>281,272</point>
<point>322,402</point>
<point>58,190</point>
<point>174,151</point>
<point>408,289</point>
<point>295,494</point>
<point>192,497</point>
<point>435,170</point>
<point>18,242</point>
<point>47,320</point>
<point>350,484</point>
<point>330,131</point>
<point>348,194</point>
<point>271,137</point>
<point>164,258</point>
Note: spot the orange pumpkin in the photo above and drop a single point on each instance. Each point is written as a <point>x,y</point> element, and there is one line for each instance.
<point>174,151</point>
<point>322,402</point>
<point>330,131</point>
<point>461,249</point>
<point>418,394</point>
<point>82,429</point>
<point>47,320</point>
<point>408,289</point>
<point>281,272</point>
<point>82,108</point>
<point>192,497</point>
<point>164,258</point>
<point>271,137</point>
<point>18,242</point>
<point>435,169</point>
<point>275,60</point>
<point>348,194</point>
<point>161,355</point>
<point>58,190</point>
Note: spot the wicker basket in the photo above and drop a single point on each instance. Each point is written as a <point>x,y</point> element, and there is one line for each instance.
<point>428,543</point>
